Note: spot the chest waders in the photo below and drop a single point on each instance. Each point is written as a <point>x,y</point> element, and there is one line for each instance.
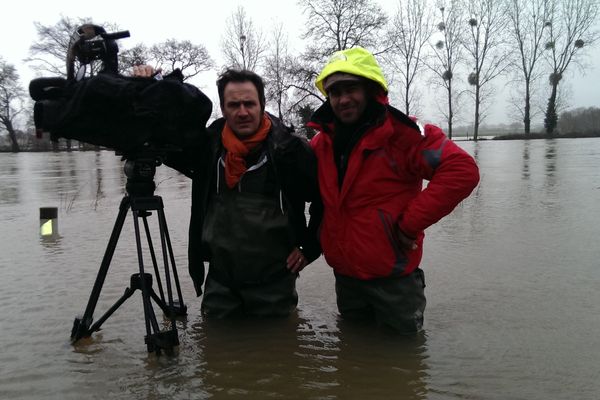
<point>247,232</point>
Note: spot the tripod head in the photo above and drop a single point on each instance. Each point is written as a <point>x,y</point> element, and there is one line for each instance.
<point>140,168</point>
<point>140,176</point>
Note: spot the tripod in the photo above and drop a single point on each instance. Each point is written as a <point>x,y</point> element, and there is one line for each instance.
<point>141,200</point>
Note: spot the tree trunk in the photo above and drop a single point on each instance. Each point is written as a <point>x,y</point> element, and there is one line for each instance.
<point>406,101</point>
<point>450,113</point>
<point>476,122</point>
<point>527,114</point>
<point>279,106</point>
<point>551,118</point>
<point>13,137</point>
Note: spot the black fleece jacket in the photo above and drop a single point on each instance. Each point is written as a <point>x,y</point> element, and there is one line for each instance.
<point>295,167</point>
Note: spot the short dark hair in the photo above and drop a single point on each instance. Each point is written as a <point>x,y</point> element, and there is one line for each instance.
<point>244,75</point>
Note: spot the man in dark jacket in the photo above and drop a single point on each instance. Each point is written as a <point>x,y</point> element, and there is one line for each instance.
<point>372,160</point>
<point>251,180</point>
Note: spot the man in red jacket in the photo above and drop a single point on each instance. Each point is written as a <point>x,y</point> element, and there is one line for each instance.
<point>372,160</point>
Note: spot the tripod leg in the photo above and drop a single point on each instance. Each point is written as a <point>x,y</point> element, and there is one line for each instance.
<point>149,316</point>
<point>181,309</point>
<point>161,303</point>
<point>153,257</point>
<point>128,292</point>
<point>81,326</point>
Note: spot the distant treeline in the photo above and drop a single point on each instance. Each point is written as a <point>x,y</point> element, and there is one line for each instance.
<point>580,120</point>
<point>577,123</point>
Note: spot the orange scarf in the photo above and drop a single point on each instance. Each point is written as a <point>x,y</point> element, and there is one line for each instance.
<point>238,149</point>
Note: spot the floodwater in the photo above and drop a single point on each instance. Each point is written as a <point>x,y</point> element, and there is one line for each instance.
<point>513,289</point>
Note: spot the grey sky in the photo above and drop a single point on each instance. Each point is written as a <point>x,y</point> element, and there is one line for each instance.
<point>202,22</point>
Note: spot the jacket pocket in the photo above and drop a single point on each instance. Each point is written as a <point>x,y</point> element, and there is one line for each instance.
<point>391,231</point>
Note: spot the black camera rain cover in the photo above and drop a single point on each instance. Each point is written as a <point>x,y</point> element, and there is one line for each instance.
<point>124,113</point>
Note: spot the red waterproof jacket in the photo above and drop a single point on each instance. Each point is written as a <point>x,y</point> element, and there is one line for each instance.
<point>382,191</point>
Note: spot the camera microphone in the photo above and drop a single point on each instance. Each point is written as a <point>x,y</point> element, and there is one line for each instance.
<point>115,35</point>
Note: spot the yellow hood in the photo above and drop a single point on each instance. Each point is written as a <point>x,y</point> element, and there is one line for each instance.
<point>355,61</point>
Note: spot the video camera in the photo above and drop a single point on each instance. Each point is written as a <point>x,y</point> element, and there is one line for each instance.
<point>89,43</point>
<point>112,110</point>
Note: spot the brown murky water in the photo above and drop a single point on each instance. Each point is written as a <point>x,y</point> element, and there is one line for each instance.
<point>512,275</point>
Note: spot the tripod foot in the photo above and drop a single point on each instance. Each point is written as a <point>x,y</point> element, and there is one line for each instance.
<point>81,328</point>
<point>178,309</point>
<point>165,340</point>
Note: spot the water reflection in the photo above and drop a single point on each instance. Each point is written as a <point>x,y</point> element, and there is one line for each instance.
<point>99,174</point>
<point>9,193</point>
<point>525,170</point>
<point>292,358</point>
<point>372,364</point>
<point>267,368</point>
<point>550,157</point>
<point>52,243</point>
<point>10,181</point>
<point>10,187</point>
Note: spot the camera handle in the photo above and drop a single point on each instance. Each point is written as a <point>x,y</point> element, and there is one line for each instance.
<point>155,339</point>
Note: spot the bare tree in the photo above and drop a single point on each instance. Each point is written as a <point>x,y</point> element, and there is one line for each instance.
<point>484,45</point>
<point>527,22</point>
<point>136,55</point>
<point>447,54</point>
<point>341,24</point>
<point>409,34</point>
<point>11,101</point>
<point>48,55</point>
<point>516,99</point>
<point>190,58</point>
<point>569,29</point>
<point>306,97</point>
<point>277,70</point>
<point>243,45</point>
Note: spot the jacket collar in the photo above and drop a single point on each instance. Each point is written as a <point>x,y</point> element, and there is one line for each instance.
<point>323,119</point>
<point>279,139</point>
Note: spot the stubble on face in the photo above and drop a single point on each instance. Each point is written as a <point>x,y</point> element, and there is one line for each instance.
<point>241,108</point>
<point>348,101</point>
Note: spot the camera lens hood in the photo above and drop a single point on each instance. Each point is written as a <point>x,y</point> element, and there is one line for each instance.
<point>47,88</point>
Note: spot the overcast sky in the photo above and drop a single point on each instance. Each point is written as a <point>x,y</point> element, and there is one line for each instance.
<point>202,22</point>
